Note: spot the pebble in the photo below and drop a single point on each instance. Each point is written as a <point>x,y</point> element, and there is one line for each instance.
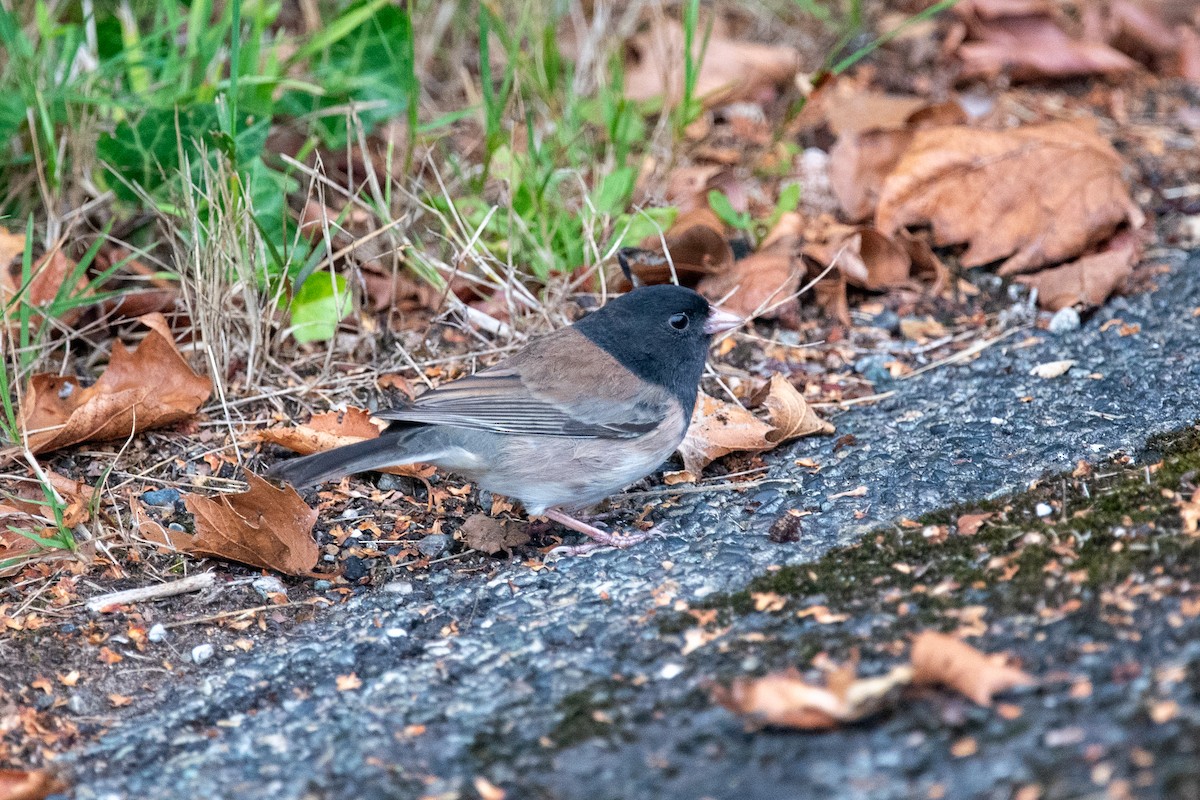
<point>161,497</point>
<point>398,587</point>
<point>202,653</point>
<point>1043,510</point>
<point>157,633</point>
<point>353,568</point>
<point>322,585</point>
<point>874,368</point>
<point>434,544</point>
<point>267,585</point>
<point>1064,320</point>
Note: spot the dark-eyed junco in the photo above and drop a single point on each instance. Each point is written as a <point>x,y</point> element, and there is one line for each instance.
<point>565,422</point>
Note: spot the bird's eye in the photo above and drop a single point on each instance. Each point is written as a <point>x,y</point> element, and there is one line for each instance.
<point>678,321</point>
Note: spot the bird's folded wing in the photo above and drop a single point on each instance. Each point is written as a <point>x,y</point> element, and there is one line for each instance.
<point>499,400</point>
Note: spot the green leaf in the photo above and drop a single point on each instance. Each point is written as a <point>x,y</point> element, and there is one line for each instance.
<point>318,306</point>
<point>789,198</point>
<point>725,210</point>
<point>615,190</point>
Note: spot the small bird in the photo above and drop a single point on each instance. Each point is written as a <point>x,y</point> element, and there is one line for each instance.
<point>564,422</point>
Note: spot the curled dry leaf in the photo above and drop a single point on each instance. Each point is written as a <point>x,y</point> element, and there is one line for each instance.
<point>1087,281</point>
<point>150,387</point>
<point>720,428</point>
<point>490,535</point>
<point>969,524</point>
<point>790,414</point>
<point>48,274</point>
<point>265,527</point>
<point>1028,41</point>
<point>763,284</point>
<point>696,247</point>
<point>988,189</point>
<point>786,700</point>
<point>939,659</point>
<point>19,784</point>
<point>731,70</point>
<point>336,429</point>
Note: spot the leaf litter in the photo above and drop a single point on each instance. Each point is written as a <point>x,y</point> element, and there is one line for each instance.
<point>867,281</point>
<point>788,700</point>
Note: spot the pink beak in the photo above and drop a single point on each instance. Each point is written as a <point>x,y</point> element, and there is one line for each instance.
<point>720,321</point>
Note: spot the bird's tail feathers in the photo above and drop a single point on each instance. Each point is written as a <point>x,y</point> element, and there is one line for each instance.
<point>390,449</point>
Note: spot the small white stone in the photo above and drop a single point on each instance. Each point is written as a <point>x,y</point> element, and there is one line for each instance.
<point>1064,320</point>
<point>267,585</point>
<point>202,653</point>
<point>398,587</point>
<point>396,633</point>
<point>157,633</point>
<point>1044,510</point>
<point>671,670</point>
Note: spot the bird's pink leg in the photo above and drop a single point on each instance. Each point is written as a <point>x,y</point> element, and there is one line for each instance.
<point>619,541</point>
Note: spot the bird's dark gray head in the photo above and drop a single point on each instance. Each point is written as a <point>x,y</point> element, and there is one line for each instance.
<point>660,333</point>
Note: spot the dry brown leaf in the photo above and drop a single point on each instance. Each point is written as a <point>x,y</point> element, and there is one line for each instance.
<point>1087,281</point>
<point>16,548</point>
<point>150,387</point>
<point>941,659</point>
<point>265,527</point>
<point>989,189</point>
<point>969,524</point>
<point>719,428</point>
<point>790,414</point>
<point>731,70</point>
<point>873,131</point>
<point>761,285</point>
<point>1028,41</point>
<point>19,784</point>
<point>786,700</point>
<point>696,246</point>
<point>48,275</point>
<point>490,535</point>
<point>336,429</point>
<point>859,163</point>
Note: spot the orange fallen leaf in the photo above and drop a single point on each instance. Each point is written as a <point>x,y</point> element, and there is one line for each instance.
<point>19,784</point>
<point>150,387</point>
<point>988,189</point>
<point>334,429</point>
<point>265,527</point>
<point>730,71</point>
<point>346,683</point>
<point>941,659</point>
<point>786,700</point>
<point>969,524</point>
<point>119,700</point>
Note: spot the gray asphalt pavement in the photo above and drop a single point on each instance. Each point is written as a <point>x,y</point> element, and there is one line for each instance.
<point>559,683</point>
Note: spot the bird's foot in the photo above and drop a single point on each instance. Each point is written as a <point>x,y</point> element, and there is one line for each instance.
<point>600,538</point>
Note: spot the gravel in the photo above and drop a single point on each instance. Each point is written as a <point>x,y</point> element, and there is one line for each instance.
<point>483,665</point>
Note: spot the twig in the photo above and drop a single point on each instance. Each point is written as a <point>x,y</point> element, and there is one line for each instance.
<point>240,612</point>
<point>109,602</point>
<point>962,355</point>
